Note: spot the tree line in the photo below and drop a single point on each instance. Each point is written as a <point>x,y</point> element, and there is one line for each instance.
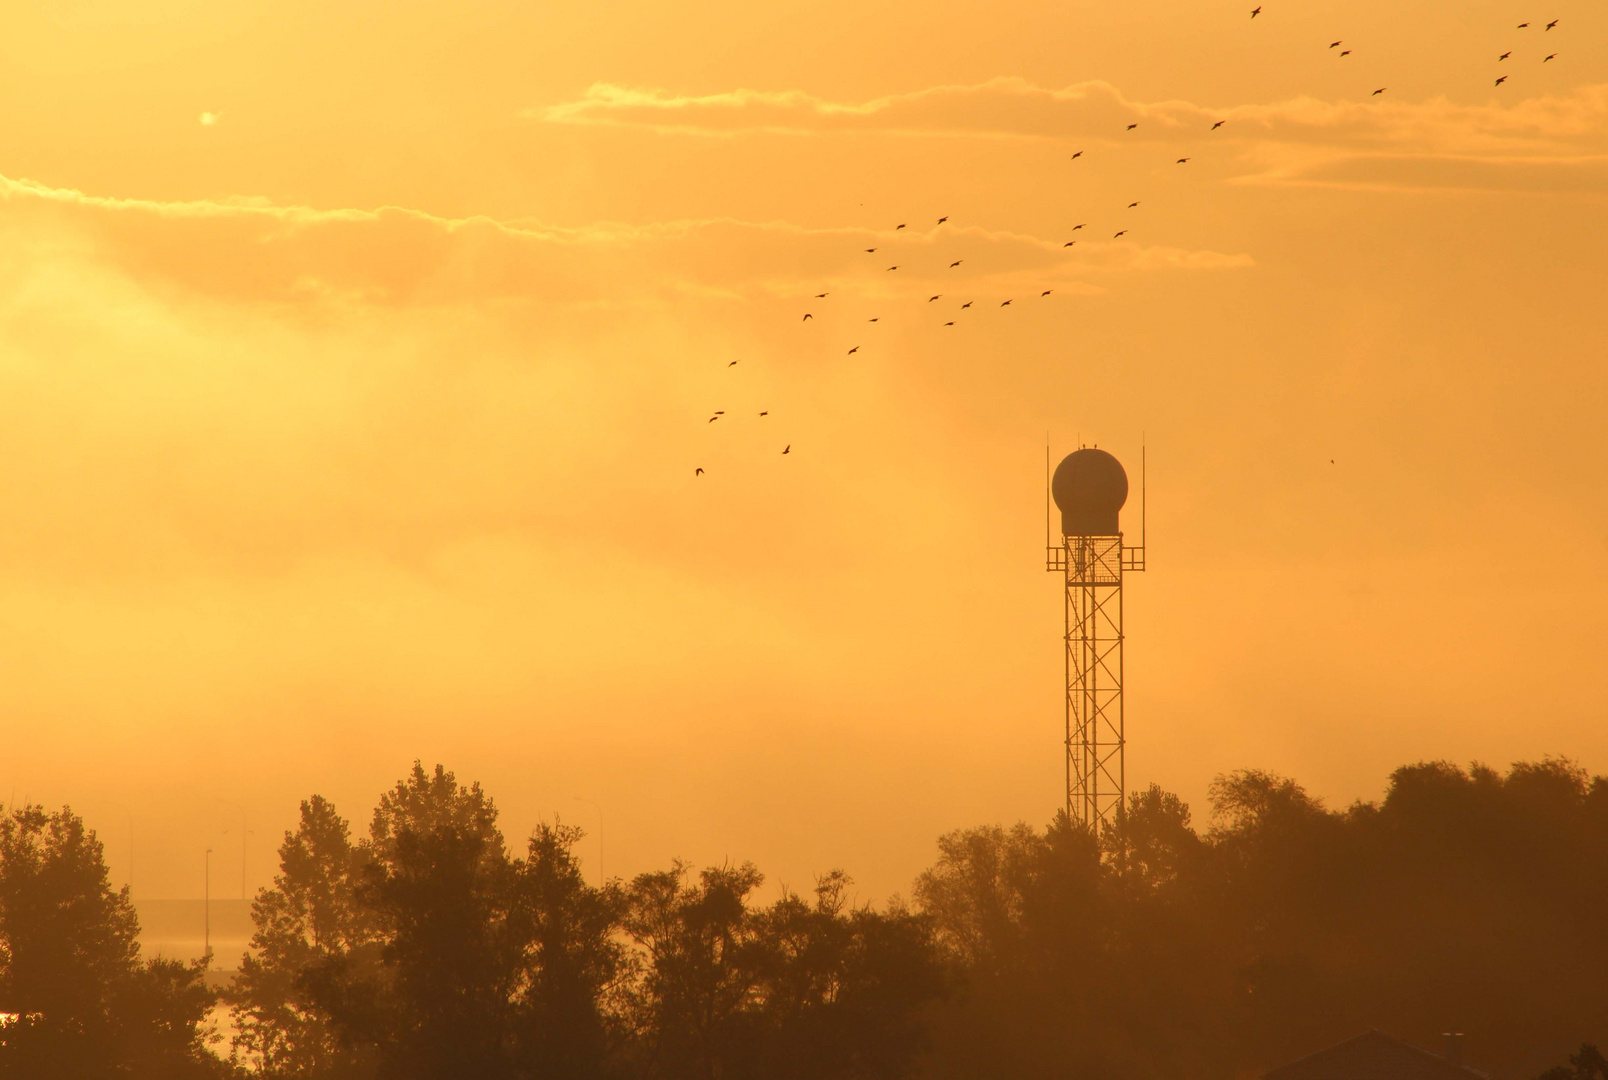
<point>1464,899</point>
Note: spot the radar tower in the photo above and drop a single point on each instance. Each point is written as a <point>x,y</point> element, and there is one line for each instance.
<point>1090,487</point>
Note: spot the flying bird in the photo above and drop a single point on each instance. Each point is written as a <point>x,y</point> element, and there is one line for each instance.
<point>1006,304</point>
<point>956,263</point>
<point>854,350</point>
<point>1379,91</point>
<point>1546,58</point>
<point>1182,160</point>
<point>1119,234</point>
<point>1522,25</point>
<point>1345,52</point>
<point>930,299</point>
<point>1132,126</point>
<point>713,418</point>
<point>1553,23</point>
<point>732,364</point>
<point>1077,155</point>
<point>942,220</point>
<point>821,296</point>
<point>1255,12</point>
<point>1075,228</point>
<point>870,251</point>
<point>807,315</point>
<point>871,320</point>
<point>1500,81</point>
<point>697,472</point>
<point>966,305</point>
<point>1046,292</point>
<point>896,228</point>
<point>765,413</point>
<point>1219,124</point>
<point>1069,243</point>
<point>1504,56</point>
<point>1132,205</point>
<point>893,267</point>
<point>788,449</point>
<point>1334,44</point>
<point>949,324</point>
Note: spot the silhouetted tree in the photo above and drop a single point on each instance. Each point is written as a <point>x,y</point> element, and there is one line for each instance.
<point>82,1003</point>
<point>425,951</point>
<point>1587,1063</point>
<point>310,920</point>
<point>1464,898</point>
<point>568,1002</point>
<point>700,967</point>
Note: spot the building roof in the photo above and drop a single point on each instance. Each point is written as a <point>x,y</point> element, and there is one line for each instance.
<point>1374,1056</point>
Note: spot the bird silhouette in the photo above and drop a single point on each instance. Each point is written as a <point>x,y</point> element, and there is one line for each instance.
<point>1255,12</point>
<point>1379,91</point>
<point>1069,243</point>
<point>930,299</point>
<point>1219,124</point>
<point>1132,126</point>
<point>896,228</point>
<point>765,413</point>
<point>854,350</point>
<point>942,220</point>
<point>1075,228</point>
<point>1345,52</point>
<point>1504,56</point>
<point>1182,160</point>
<point>821,296</point>
<point>1522,25</point>
<point>1544,59</point>
<point>1132,205</point>
<point>1553,23</point>
<point>1500,81</point>
<point>1331,461</point>
<point>1119,233</point>
<point>1334,44</point>
<point>967,304</point>
<point>893,267</point>
<point>1077,155</point>
<point>1046,292</point>
<point>1006,304</point>
<point>697,472</point>
<point>713,418</point>
<point>871,320</point>
<point>732,364</point>
<point>788,449</point>
<point>870,251</point>
<point>949,324</point>
<point>956,263</point>
<point>807,315</point>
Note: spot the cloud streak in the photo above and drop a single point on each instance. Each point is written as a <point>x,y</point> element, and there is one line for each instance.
<point>1557,135</point>
<point>245,250</point>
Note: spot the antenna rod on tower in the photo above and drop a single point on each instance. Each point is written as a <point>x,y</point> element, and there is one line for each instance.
<point>1048,535</point>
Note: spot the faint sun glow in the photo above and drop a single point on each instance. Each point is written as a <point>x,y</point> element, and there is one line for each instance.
<point>208,119</point>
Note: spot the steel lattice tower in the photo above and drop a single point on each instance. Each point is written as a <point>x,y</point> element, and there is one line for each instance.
<point>1090,488</point>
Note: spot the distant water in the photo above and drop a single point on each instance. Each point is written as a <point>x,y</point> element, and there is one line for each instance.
<point>177,929</point>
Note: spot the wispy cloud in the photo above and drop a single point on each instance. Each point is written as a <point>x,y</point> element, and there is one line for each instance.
<point>253,251</point>
<point>1015,107</point>
<point>1542,143</point>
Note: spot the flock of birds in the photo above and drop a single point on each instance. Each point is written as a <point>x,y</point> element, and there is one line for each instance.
<point>1256,11</point>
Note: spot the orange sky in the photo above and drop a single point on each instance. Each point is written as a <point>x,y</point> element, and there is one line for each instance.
<point>355,359</point>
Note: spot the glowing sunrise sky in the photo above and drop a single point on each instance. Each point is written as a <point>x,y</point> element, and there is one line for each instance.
<point>356,358</point>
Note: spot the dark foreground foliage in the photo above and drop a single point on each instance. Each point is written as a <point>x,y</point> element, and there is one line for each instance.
<point>77,1000</point>
<point>426,950</point>
<point>1465,900</point>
